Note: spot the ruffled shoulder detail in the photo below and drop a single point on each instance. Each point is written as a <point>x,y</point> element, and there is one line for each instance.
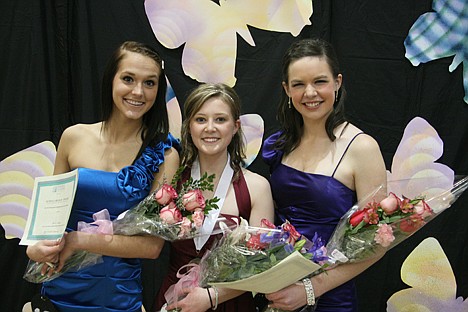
<point>270,155</point>
<point>135,180</point>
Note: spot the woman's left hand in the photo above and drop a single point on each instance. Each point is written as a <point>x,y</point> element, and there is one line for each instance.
<point>289,298</point>
<point>196,300</point>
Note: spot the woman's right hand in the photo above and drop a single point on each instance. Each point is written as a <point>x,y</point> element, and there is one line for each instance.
<point>46,250</point>
<point>196,300</point>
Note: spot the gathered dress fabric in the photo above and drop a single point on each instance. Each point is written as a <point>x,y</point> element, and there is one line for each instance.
<point>184,251</point>
<point>115,283</point>
<point>313,203</point>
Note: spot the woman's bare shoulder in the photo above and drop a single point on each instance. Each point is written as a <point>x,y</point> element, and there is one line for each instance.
<point>255,180</point>
<point>362,142</point>
<point>80,131</point>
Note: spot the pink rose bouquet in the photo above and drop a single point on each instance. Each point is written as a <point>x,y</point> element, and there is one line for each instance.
<point>175,211</point>
<point>371,225</point>
<point>167,213</point>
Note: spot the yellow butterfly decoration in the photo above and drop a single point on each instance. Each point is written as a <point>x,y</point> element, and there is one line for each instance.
<point>415,170</point>
<point>17,173</point>
<point>210,30</point>
<point>433,286</point>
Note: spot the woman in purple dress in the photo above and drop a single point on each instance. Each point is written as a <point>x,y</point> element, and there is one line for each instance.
<point>320,166</point>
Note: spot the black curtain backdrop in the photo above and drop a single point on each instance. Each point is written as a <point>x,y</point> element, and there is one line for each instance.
<point>53,53</point>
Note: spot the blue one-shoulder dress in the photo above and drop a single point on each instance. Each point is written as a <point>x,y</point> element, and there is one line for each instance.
<point>115,283</point>
<point>312,203</point>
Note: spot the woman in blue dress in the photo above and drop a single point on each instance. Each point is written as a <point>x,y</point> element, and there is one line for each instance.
<point>320,166</point>
<point>120,160</point>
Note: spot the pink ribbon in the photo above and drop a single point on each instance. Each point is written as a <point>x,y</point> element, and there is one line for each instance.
<point>187,281</point>
<point>101,225</point>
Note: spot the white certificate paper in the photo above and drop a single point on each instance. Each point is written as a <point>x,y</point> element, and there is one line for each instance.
<point>50,207</point>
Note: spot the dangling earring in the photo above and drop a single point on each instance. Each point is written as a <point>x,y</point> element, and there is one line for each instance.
<point>336,96</point>
<point>289,103</point>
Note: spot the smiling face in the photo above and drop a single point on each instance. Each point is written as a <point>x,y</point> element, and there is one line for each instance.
<point>312,87</point>
<point>213,127</point>
<point>135,85</point>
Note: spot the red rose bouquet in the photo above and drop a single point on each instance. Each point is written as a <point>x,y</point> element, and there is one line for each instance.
<point>252,259</point>
<point>371,225</point>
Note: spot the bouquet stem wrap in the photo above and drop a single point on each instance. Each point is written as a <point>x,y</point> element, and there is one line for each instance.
<point>370,228</point>
<point>187,280</point>
<point>79,260</point>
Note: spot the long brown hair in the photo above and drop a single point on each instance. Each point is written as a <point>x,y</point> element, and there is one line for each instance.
<point>155,125</point>
<point>193,104</point>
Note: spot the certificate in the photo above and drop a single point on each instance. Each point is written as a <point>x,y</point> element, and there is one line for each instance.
<point>50,207</point>
<point>287,272</point>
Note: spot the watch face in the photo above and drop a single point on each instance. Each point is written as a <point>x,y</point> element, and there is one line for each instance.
<point>261,302</point>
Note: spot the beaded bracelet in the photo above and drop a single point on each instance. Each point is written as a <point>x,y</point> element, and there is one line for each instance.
<point>216,299</point>
<point>309,289</point>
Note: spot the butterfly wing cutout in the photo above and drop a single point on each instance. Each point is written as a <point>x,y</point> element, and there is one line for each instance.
<point>173,111</point>
<point>433,286</point>
<point>209,30</point>
<point>441,33</point>
<point>414,168</point>
<point>253,129</point>
<point>17,174</point>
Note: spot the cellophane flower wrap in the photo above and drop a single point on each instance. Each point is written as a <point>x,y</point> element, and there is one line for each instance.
<point>372,226</point>
<point>247,251</point>
<point>166,213</point>
<point>175,211</point>
<point>80,259</point>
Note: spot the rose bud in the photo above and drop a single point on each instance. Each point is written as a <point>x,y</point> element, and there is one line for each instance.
<point>411,223</point>
<point>390,204</point>
<point>198,216</point>
<point>267,224</point>
<point>255,242</point>
<point>423,209</point>
<point>165,194</point>
<point>170,214</point>
<point>293,234</point>
<point>357,217</point>
<point>193,199</point>
<point>185,227</point>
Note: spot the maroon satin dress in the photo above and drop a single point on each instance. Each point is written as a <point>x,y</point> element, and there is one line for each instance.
<point>182,252</point>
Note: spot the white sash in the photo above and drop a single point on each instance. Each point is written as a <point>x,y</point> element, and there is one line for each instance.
<point>220,192</point>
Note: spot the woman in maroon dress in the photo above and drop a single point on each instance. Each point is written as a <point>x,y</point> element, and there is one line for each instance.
<point>212,142</point>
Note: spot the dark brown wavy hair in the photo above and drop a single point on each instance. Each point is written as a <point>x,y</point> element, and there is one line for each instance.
<point>290,120</point>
